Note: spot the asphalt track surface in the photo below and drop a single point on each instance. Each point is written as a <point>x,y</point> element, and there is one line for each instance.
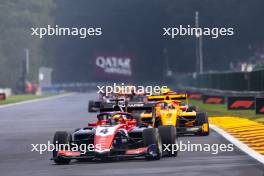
<point>33,123</point>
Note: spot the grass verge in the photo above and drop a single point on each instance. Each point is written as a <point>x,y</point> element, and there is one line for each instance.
<point>214,110</point>
<point>24,97</point>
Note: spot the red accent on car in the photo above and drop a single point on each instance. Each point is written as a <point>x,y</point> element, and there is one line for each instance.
<point>131,123</point>
<point>183,108</point>
<point>103,142</point>
<point>92,124</point>
<point>68,153</point>
<point>136,151</point>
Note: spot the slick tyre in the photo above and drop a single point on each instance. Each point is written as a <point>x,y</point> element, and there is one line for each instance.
<point>192,108</point>
<point>151,136</point>
<point>169,138</point>
<point>202,119</point>
<point>61,137</point>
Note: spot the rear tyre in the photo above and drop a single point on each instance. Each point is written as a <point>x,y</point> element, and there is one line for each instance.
<point>61,137</point>
<point>202,120</point>
<point>169,138</point>
<point>192,108</point>
<point>151,136</point>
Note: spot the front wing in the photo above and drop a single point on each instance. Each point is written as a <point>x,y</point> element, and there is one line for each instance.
<point>151,150</point>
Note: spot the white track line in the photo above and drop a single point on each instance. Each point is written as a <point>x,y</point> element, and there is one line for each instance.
<point>254,154</point>
<point>35,100</point>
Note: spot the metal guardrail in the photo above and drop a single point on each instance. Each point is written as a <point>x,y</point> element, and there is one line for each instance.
<point>222,92</point>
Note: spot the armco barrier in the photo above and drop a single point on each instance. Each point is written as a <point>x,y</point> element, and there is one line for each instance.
<point>240,103</point>
<point>259,105</point>
<point>208,91</point>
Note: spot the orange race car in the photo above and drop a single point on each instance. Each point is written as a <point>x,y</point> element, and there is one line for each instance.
<point>174,110</point>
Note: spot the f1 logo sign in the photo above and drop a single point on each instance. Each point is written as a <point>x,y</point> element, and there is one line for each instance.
<point>259,105</point>
<point>262,109</point>
<point>213,99</point>
<point>195,96</point>
<point>240,103</point>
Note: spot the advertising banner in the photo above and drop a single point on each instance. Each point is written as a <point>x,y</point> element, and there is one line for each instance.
<point>240,103</point>
<point>112,66</point>
<point>213,99</point>
<point>196,96</point>
<point>259,105</point>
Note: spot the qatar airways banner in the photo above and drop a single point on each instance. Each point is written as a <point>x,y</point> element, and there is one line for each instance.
<point>112,67</point>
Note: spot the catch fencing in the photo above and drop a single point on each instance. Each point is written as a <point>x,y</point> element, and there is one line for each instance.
<point>236,81</point>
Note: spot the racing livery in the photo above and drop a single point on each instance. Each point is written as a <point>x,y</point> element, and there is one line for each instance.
<point>171,111</point>
<point>94,105</point>
<point>113,135</point>
<point>168,133</point>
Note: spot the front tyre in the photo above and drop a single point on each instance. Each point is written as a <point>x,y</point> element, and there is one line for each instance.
<point>151,136</point>
<point>202,120</point>
<point>61,137</point>
<point>169,138</point>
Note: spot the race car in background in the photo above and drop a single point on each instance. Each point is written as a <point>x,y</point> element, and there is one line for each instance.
<point>174,110</point>
<point>113,135</point>
<point>94,106</point>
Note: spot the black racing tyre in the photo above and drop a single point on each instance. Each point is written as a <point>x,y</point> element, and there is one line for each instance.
<point>168,136</point>
<point>202,119</point>
<point>61,137</point>
<point>151,136</point>
<point>192,108</point>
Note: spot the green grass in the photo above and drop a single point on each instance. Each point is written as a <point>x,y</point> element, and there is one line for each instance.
<point>221,110</point>
<point>24,97</point>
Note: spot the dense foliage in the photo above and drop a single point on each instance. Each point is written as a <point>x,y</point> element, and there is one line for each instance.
<point>17,17</point>
<point>129,26</point>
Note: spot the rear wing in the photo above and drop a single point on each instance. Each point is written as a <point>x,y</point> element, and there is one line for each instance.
<point>167,97</point>
<point>125,106</point>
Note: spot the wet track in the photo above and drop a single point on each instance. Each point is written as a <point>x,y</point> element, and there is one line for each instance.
<point>32,123</point>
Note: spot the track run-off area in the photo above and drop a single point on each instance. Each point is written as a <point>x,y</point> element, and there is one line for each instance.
<point>36,122</point>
